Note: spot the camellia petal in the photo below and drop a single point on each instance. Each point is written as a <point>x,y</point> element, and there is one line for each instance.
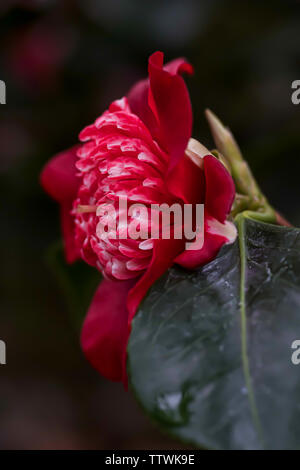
<point>164,253</point>
<point>187,182</point>
<point>219,196</point>
<point>59,180</point>
<point>105,329</point>
<point>163,104</point>
<point>138,101</point>
<point>68,229</point>
<point>216,235</point>
<point>219,188</point>
<point>58,177</point>
<point>170,103</point>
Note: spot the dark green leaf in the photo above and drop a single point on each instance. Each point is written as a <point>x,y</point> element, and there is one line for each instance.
<point>209,356</point>
<point>78,282</point>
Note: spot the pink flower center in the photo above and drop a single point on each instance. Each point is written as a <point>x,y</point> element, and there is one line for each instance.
<point>118,158</point>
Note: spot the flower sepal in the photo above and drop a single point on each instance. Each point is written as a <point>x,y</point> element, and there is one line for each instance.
<point>249,197</point>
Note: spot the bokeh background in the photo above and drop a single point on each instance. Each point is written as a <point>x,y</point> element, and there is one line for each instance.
<point>63,63</point>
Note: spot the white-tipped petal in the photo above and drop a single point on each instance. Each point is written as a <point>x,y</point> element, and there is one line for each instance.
<point>196,152</point>
<point>227,230</point>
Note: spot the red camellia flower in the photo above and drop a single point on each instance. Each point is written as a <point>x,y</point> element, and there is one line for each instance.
<point>141,148</point>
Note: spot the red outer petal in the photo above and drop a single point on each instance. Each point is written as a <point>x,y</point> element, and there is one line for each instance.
<point>163,104</point>
<point>170,102</point>
<point>106,327</point>
<point>138,102</point>
<point>192,259</point>
<point>59,180</point>
<point>186,182</point>
<point>104,334</point>
<point>164,252</point>
<point>220,189</point>
<point>219,196</point>
<point>58,177</point>
<point>68,229</point>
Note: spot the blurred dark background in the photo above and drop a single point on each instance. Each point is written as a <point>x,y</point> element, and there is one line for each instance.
<point>63,63</point>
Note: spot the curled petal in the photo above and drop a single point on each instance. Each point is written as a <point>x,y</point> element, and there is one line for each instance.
<point>219,188</point>
<point>179,66</point>
<point>216,235</point>
<point>163,104</point>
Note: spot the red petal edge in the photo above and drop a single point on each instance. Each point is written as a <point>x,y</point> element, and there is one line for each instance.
<point>192,259</point>
<point>59,180</point>
<point>105,332</point>
<point>219,188</point>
